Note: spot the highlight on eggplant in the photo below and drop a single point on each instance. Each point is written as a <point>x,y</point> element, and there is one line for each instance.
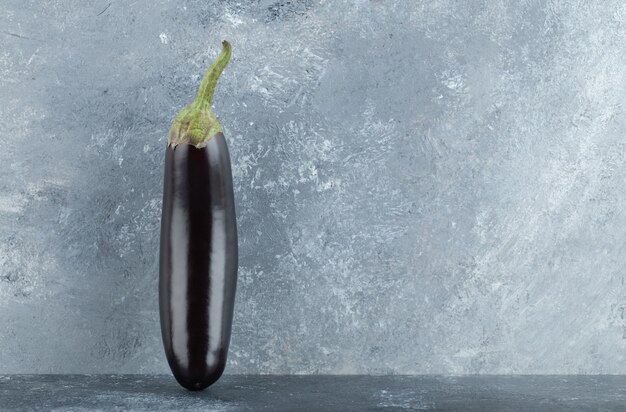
<point>198,251</point>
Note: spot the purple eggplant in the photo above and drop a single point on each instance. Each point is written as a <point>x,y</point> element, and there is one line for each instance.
<point>198,257</point>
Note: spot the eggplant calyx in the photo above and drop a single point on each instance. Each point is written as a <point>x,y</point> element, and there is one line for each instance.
<point>196,123</point>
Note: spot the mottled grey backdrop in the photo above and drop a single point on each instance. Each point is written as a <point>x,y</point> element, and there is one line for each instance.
<point>422,187</point>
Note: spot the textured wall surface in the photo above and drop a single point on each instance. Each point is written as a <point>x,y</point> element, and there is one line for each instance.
<point>422,187</point>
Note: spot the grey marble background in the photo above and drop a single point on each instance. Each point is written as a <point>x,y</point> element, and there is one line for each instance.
<point>422,186</point>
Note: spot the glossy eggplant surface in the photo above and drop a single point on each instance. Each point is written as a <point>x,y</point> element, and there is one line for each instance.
<point>198,261</point>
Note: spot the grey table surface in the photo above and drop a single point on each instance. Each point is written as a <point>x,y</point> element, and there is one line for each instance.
<point>316,392</point>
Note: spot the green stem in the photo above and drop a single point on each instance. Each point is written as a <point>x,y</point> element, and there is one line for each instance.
<point>196,123</point>
<point>207,88</point>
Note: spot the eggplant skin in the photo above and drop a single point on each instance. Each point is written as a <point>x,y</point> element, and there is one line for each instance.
<point>198,261</point>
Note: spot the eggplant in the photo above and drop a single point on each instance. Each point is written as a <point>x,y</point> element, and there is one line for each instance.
<point>198,250</point>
